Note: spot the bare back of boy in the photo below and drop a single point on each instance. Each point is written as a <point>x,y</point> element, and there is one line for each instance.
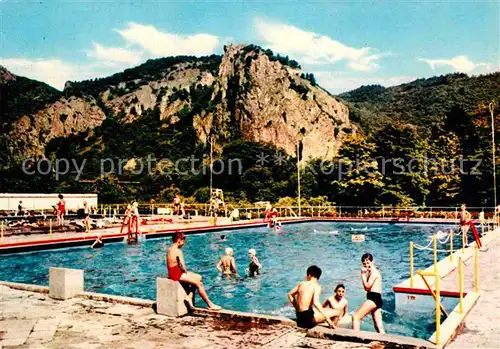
<point>307,299</point>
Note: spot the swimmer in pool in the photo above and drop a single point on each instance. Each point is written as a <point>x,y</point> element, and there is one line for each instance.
<point>98,243</point>
<point>338,302</point>
<point>227,264</point>
<point>372,283</point>
<point>254,266</point>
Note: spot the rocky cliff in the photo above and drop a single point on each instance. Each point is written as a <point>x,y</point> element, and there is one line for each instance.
<point>247,93</point>
<point>267,101</point>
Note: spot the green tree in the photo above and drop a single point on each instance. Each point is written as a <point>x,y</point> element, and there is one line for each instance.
<point>401,153</point>
<point>359,180</point>
<point>443,168</point>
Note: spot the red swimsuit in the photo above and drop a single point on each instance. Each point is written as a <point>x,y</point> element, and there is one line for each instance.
<point>61,207</point>
<point>174,273</point>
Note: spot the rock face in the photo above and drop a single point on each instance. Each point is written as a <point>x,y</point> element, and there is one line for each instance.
<point>251,95</point>
<point>61,119</point>
<point>269,102</point>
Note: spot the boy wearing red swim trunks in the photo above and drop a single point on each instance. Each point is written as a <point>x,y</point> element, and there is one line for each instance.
<point>177,270</point>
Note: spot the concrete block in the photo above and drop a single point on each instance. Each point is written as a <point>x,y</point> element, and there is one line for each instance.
<point>170,296</point>
<point>65,283</point>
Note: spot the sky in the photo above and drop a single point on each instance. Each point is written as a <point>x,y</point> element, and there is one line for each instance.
<point>345,44</point>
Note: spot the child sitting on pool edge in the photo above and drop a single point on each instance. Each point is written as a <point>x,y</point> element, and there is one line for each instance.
<point>254,266</point>
<point>338,302</point>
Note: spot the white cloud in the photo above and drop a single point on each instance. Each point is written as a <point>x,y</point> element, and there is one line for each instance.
<point>159,43</point>
<point>312,48</point>
<point>458,63</point>
<point>114,54</point>
<point>51,71</point>
<point>340,81</point>
<point>149,42</point>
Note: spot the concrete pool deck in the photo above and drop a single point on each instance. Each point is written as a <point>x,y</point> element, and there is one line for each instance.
<point>35,321</point>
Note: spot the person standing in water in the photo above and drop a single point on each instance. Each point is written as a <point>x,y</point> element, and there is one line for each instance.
<point>338,302</point>
<point>177,270</point>
<point>227,264</point>
<point>372,283</point>
<point>254,266</point>
<point>305,299</point>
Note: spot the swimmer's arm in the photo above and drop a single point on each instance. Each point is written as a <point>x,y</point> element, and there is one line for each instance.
<point>219,266</point>
<point>327,302</point>
<point>180,262</point>
<point>367,283</point>
<point>346,308</point>
<point>233,266</point>
<point>317,305</point>
<point>256,261</point>
<point>291,295</point>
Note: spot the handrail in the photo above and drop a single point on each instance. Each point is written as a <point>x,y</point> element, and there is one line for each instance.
<point>460,284</point>
<point>437,298</point>
<point>327,210</point>
<point>423,275</point>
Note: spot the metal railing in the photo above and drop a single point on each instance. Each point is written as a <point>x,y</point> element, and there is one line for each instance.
<point>334,211</point>
<point>435,273</point>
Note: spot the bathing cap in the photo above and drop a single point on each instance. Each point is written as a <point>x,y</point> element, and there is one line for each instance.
<point>252,251</point>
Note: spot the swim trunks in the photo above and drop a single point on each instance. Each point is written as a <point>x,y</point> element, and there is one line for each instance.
<point>376,298</point>
<point>305,319</point>
<point>175,273</point>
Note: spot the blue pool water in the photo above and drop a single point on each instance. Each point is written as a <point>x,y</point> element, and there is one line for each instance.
<point>132,270</point>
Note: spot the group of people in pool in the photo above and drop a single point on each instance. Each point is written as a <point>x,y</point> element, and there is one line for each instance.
<point>305,297</point>
<point>227,263</point>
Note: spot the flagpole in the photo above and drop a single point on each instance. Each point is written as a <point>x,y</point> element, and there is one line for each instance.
<point>492,107</point>
<point>298,176</point>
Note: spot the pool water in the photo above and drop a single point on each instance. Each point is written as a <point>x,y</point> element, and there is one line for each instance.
<point>132,270</point>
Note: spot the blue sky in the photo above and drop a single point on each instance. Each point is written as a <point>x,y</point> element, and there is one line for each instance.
<point>344,43</point>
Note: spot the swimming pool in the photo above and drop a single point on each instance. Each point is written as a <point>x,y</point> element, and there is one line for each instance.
<point>132,270</point>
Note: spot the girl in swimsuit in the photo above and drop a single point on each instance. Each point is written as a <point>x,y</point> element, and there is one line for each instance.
<point>254,266</point>
<point>61,210</point>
